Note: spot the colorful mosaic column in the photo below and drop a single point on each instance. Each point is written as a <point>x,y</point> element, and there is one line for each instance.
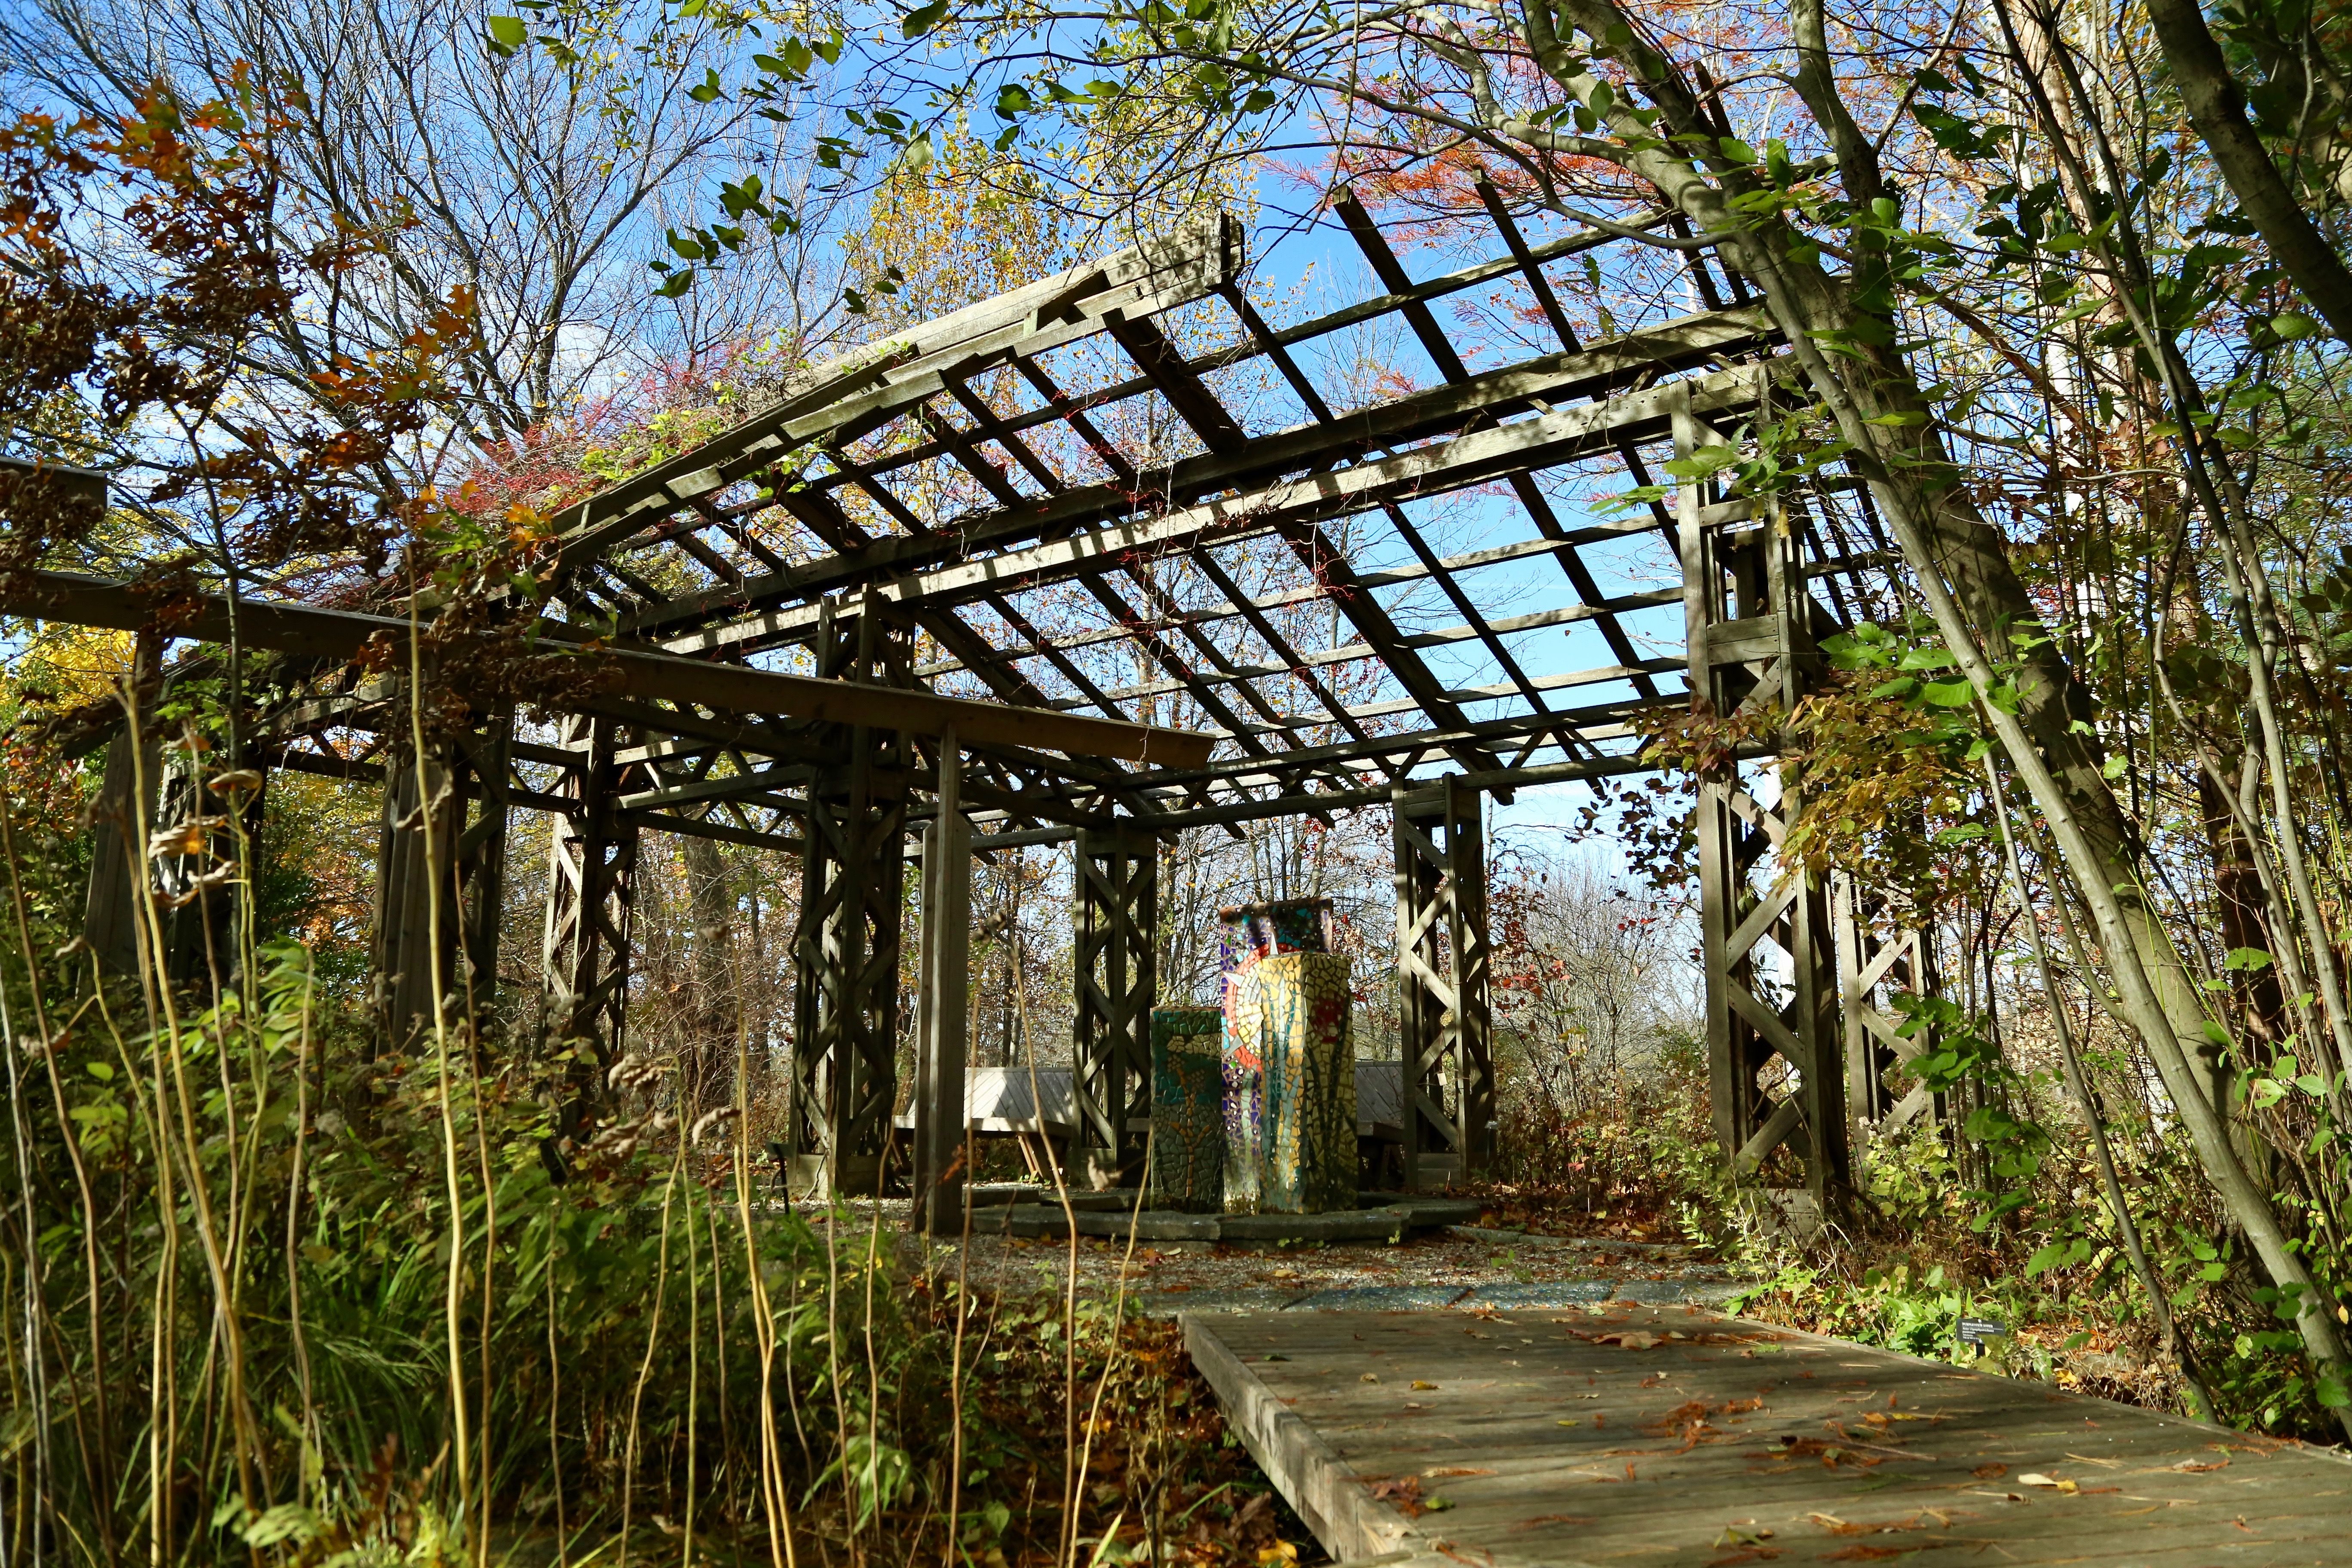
<point>1187,1110</point>
<point>1289,1062</point>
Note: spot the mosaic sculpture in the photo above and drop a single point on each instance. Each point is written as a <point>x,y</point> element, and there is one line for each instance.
<point>1187,1106</point>
<point>1289,1064</point>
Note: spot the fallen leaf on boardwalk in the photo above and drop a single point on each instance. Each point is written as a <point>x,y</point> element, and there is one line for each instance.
<point>1403,1494</point>
<point>1443,1470</point>
<point>2036,1478</point>
<point>1418,1383</point>
<point>1837,1526</point>
<point>1990,1472</point>
<point>1571,1421</point>
<point>1369,1377</point>
<point>1543,1519</point>
<point>1863,1552</point>
<point>2195,1468</point>
<point>1745,1555</point>
<point>1632,1339</point>
<point>1830,1454</point>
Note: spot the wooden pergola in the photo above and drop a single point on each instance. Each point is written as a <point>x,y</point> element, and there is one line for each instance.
<point>1052,560</point>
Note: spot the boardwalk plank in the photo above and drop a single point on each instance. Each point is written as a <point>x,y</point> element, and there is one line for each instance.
<point>1731,1444</point>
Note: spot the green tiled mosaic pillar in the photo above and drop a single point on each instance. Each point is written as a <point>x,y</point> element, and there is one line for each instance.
<point>1187,1110</point>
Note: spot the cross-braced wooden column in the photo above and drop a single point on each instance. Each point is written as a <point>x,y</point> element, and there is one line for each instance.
<point>481,857</point>
<point>1765,929</point>
<point>1444,1024</point>
<point>463,781</point>
<point>846,946</point>
<point>592,869</point>
<point>1873,965</point>
<point>1114,964</point>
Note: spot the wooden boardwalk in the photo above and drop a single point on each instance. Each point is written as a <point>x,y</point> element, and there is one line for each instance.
<point>1623,1433</point>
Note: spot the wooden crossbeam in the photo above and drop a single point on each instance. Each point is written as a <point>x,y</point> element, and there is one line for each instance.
<point>1432,469</point>
<point>340,633</point>
<point>858,393</point>
<point>1590,372</point>
<point>1249,606</point>
<point>1440,350</point>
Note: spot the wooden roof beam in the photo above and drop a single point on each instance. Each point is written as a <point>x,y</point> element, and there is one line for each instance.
<point>340,633</point>
<point>1440,348</point>
<point>1558,436</point>
<point>1436,412</point>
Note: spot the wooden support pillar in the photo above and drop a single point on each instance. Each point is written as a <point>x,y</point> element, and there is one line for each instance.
<point>1878,959</point>
<point>846,947</point>
<point>1766,936</point>
<point>942,1003</point>
<point>408,942</point>
<point>1445,1022</point>
<point>481,858</point>
<point>591,872</point>
<point>463,782</point>
<point>1115,905</point>
<point>118,869</point>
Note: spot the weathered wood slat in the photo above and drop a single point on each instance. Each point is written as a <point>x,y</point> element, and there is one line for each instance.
<point>302,628</point>
<point>1687,1451</point>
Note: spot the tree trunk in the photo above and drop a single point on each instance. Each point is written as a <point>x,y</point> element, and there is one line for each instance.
<point>1980,605</point>
<point>2218,109</point>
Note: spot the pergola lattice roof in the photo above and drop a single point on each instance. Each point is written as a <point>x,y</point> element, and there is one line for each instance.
<point>1074,509</point>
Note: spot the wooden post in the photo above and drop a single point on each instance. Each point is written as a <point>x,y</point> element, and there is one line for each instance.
<point>118,866</point>
<point>468,858</point>
<point>1447,1073</point>
<point>1749,622</point>
<point>1115,907</point>
<point>942,1003</point>
<point>481,859</point>
<point>845,948</point>
<point>1871,963</point>
<point>406,936</point>
<point>591,873</point>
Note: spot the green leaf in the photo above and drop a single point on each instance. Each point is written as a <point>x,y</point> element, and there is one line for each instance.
<point>506,35</point>
<point>2293,325</point>
<point>2252,958</point>
<point>1736,150</point>
<point>1947,693</point>
<point>922,19</point>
